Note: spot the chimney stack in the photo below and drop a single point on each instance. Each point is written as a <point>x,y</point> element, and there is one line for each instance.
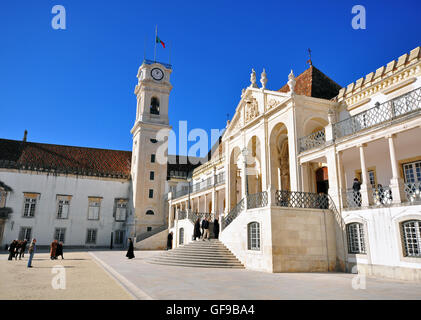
<point>25,135</point>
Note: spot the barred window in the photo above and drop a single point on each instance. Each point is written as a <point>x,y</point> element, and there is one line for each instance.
<point>25,233</point>
<point>253,239</point>
<point>181,236</point>
<point>355,234</point>
<point>91,236</point>
<point>29,206</point>
<point>59,234</point>
<point>412,172</point>
<point>411,231</point>
<point>119,237</point>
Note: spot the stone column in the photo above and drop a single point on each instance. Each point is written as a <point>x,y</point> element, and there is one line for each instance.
<point>396,183</point>
<point>244,182</point>
<point>366,189</point>
<point>170,211</point>
<point>332,171</point>
<point>342,184</point>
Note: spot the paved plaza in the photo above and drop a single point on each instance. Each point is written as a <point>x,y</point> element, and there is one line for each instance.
<point>110,275</point>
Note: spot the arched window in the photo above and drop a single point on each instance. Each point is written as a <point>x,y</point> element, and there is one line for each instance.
<point>411,232</point>
<point>154,106</point>
<point>355,234</point>
<point>253,236</point>
<point>150,212</point>
<point>181,236</point>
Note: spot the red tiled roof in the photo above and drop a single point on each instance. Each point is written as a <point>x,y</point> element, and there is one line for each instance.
<point>64,159</point>
<point>314,83</point>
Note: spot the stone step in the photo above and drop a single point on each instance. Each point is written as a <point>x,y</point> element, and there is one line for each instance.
<point>200,265</point>
<point>206,254</point>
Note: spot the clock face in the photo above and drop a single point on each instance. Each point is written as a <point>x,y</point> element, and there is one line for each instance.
<point>157,74</point>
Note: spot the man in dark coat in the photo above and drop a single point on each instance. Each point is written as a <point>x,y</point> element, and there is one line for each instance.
<point>216,228</point>
<point>22,249</point>
<point>205,227</point>
<point>169,241</point>
<point>197,233</point>
<point>59,250</point>
<point>130,253</point>
<point>12,248</point>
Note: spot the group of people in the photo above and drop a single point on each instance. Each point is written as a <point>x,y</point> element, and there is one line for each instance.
<point>201,230</point>
<point>56,250</point>
<point>17,249</point>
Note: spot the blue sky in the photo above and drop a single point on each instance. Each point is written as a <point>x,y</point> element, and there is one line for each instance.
<point>75,86</point>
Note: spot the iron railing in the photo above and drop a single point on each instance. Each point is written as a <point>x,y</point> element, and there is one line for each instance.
<point>387,111</point>
<point>311,141</point>
<point>182,214</point>
<point>298,199</point>
<point>193,216</point>
<point>257,200</point>
<point>220,178</point>
<point>413,191</point>
<point>382,195</point>
<point>233,214</point>
<point>352,199</point>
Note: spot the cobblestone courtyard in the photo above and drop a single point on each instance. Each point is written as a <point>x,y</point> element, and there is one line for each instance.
<point>109,275</point>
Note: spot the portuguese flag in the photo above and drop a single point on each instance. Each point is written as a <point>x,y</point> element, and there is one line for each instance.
<point>157,40</point>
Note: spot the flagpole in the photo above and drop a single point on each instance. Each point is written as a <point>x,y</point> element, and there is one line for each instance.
<point>154,51</point>
<point>144,49</point>
<point>169,50</point>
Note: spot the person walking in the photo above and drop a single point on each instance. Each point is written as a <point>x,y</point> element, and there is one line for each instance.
<point>12,248</point>
<point>17,248</point>
<point>169,241</point>
<point>130,253</point>
<point>31,252</point>
<point>205,227</point>
<point>356,186</point>
<point>197,234</point>
<point>59,250</point>
<point>53,249</point>
<point>22,249</point>
<point>216,228</point>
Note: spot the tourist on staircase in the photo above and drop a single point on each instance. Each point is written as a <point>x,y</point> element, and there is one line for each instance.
<point>169,241</point>
<point>197,234</point>
<point>216,228</point>
<point>205,227</point>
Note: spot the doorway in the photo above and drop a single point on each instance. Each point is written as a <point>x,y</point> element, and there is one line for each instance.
<point>322,180</point>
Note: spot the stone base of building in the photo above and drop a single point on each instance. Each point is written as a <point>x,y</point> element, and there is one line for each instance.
<point>388,272</point>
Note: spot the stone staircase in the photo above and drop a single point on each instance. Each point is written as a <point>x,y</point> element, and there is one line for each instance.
<point>199,254</point>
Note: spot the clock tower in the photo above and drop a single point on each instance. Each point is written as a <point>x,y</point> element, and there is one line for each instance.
<point>149,163</point>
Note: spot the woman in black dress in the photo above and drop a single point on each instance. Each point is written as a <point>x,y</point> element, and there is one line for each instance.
<point>197,233</point>
<point>216,228</point>
<point>130,253</point>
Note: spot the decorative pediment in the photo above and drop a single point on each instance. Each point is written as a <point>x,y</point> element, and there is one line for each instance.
<point>251,109</point>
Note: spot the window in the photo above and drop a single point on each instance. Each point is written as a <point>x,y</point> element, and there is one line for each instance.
<point>59,234</point>
<point>119,237</point>
<point>181,236</point>
<point>152,175</point>
<point>30,202</point>
<point>148,229</point>
<point>152,158</point>
<point>120,209</point>
<point>355,233</point>
<point>25,233</point>
<point>93,210</point>
<point>150,212</point>
<point>153,140</point>
<point>63,204</point>
<point>372,177</point>
<point>91,236</point>
<point>154,108</point>
<point>253,236</point>
<point>412,172</point>
<point>411,231</point>
<point>150,193</point>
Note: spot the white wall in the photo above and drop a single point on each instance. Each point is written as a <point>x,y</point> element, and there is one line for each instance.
<point>44,223</point>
